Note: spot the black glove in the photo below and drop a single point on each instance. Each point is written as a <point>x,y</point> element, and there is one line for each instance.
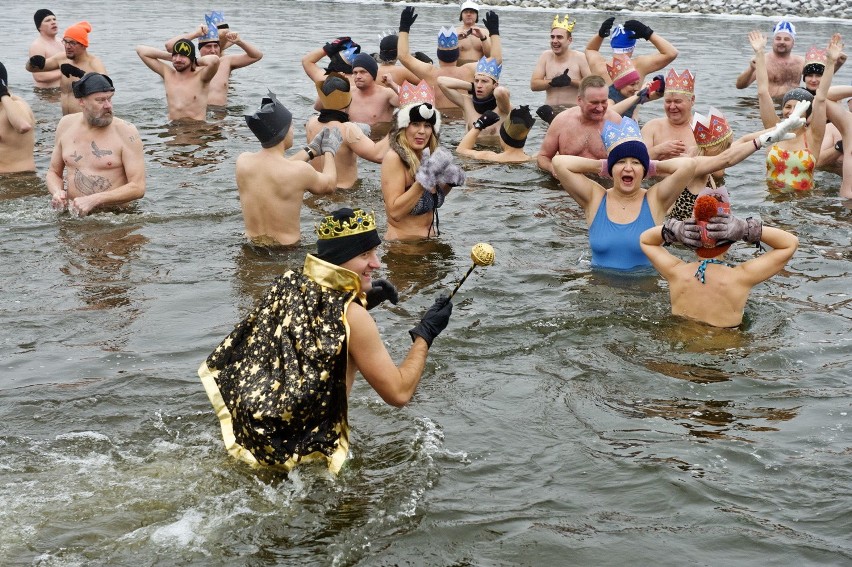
<point>661,81</point>
<point>420,56</point>
<point>336,46</point>
<point>545,112</point>
<point>562,80</point>
<point>406,19</point>
<point>492,22</point>
<point>70,70</point>
<point>37,61</point>
<point>434,321</point>
<point>606,27</point>
<point>728,227</point>
<point>485,120</point>
<point>381,290</point>
<point>639,29</point>
<point>838,146</point>
<point>686,232</point>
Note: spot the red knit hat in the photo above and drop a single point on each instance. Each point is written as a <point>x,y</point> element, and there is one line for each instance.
<point>79,32</point>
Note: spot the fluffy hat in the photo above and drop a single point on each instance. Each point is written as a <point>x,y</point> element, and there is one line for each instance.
<point>79,32</point>
<point>271,122</point>
<point>92,83</point>
<point>417,104</point>
<point>40,15</point>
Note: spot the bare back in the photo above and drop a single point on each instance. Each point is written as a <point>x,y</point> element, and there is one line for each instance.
<point>724,293</point>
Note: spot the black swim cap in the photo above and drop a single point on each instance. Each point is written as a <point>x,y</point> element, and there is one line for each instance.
<point>40,15</point>
<point>271,122</point>
<point>367,62</point>
<point>92,83</point>
<point>387,47</point>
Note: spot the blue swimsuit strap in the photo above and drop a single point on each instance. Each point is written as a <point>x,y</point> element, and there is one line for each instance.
<point>699,273</point>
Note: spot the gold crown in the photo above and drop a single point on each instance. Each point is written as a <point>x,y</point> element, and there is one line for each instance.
<point>564,24</point>
<point>358,223</point>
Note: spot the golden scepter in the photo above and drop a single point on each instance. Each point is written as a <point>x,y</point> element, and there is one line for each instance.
<point>482,254</point>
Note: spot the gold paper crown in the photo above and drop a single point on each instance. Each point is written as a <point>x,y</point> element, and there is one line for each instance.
<point>683,83</point>
<point>816,55</point>
<point>358,223</point>
<point>622,72</point>
<point>711,129</point>
<point>564,24</point>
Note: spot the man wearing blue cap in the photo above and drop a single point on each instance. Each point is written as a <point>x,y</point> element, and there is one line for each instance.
<point>782,65</point>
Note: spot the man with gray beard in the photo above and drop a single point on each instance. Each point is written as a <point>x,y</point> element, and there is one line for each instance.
<point>97,160</point>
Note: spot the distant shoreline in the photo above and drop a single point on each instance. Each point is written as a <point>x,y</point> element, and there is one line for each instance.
<point>773,8</point>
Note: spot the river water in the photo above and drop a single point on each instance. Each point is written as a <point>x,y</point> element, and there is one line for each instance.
<point>564,418</point>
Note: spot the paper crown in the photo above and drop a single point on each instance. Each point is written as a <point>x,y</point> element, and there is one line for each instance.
<point>447,38</point>
<point>216,18</point>
<point>564,24</point>
<point>815,60</point>
<point>334,92</point>
<point>784,27</point>
<point>622,72</point>
<point>411,99</point>
<point>614,134</point>
<point>622,41</point>
<point>489,67</point>
<point>514,129</point>
<point>683,83</point>
<point>711,129</point>
<point>271,122</point>
<point>349,52</point>
<point>212,31</point>
<point>358,223</point>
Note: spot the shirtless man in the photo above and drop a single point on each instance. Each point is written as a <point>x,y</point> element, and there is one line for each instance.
<point>671,136</point>
<point>577,131</point>
<point>560,69</point>
<point>335,98</point>
<point>47,45</point>
<point>712,291</point>
<point>623,41</point>
<point>97,159</point>
<point>74,62</point>
<point>388,59</point>
<point>372,103</point>
<point>448,54</point>
<point>474,41</point>
<point>17,135</point>
<point>209,43</point>
<point>784,68</point>
<point>271,185</point>
<point>187,80</point>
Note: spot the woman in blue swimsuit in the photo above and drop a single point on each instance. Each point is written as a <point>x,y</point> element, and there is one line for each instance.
<point>617,216</point>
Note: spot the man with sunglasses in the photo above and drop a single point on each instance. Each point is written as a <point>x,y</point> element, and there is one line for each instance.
<point>74,62</point>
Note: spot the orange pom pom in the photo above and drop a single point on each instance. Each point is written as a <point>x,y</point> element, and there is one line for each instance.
<point>706,207</point>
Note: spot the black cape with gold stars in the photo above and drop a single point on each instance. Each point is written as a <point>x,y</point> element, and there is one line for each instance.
<point>278,381</point>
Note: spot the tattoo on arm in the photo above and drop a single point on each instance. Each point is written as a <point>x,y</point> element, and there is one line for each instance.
<point>100,153</point>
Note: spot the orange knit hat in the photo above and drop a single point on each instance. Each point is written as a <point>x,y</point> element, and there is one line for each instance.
<point>79,32</point>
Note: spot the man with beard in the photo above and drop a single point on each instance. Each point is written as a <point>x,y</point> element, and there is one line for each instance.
<point>187,80</point>
<point>75,62</point>
<point>47,45</point>
<point>97,160</point>
<point>17,136</point>
<point>577,131</point>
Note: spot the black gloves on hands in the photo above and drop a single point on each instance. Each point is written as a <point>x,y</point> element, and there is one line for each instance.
<point>407,19</point>
<point>545,112</point>
<point>562,80</point>
<point>492,22</point>
<point>487,118</point>
<point>336,46</point>
<point>37,61</point>
<point>70,70</point>
<point>434,321</point>
<point>606,27</point>
<point>639,29</point>
<point>686,232</point>
<point>728,227</point>
<point>382,290</point>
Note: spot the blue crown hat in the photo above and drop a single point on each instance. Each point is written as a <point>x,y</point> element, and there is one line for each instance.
<point>622,141</point>
<point>348,54</point>
<point>622,41</point>
<point>447,38</point>
<point>784,27</point>
<point>212,34</point>
<point>217,18</point>
<point>489,67</point>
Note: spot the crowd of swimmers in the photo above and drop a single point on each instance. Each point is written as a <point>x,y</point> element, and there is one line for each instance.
<point>279,382</point>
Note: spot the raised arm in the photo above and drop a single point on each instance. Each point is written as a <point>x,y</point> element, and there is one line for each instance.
<point>153,58</point>
<point>251,54</point>
<point>451,86</point>
<point>420,68</point>
<point>766,265</point>
<point>596,61</point>
<point>818,113</point>
<point>309,64</point>
<point>666,53</point>
<point>201,31</point>
<point>209,64</point>
<point>767,106</point>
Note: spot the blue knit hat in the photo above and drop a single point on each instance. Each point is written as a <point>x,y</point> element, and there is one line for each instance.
<point>622,141</point>
<point>622,41</point>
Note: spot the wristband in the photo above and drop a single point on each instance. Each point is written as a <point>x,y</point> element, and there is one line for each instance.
<point>310,152</point>
<point>604,172</point>
<point>652,168</point>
